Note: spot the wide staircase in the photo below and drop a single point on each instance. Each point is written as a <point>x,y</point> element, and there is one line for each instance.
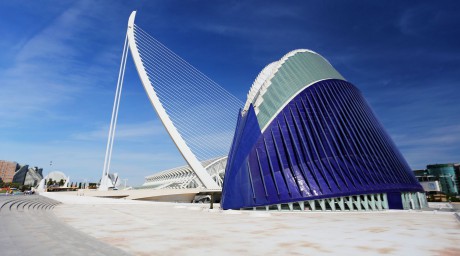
<point>29,227</point>
<point>34,203</point>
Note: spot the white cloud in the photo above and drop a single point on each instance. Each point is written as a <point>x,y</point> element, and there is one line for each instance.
<point>130,131</point>
<point>51,68</point>
<point>433,146</point>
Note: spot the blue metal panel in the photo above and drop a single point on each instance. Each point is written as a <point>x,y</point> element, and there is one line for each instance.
<point>237,176</point>
<point>310,176</point>
<point>272,172</point>
<point>280,164</point>
<point>325,143</point>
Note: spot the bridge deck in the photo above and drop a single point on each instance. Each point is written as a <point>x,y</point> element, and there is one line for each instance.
<point>160,195</point>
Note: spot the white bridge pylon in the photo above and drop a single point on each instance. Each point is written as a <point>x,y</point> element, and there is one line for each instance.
<point>188,155</point>
<point>191,159</point>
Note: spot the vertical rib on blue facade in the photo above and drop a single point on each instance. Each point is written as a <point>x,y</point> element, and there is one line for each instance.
<point>326,142</point>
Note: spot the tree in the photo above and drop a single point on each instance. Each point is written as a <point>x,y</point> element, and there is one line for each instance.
<point>50,182</point>
<point>24,188</point>
<point>61,182</point>
<point>12,185</point>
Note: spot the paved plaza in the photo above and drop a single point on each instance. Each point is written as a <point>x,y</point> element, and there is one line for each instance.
<point>149,228</point>
<point>79,225</point>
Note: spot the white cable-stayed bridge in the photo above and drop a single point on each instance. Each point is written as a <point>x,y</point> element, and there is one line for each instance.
<point>199,115</point>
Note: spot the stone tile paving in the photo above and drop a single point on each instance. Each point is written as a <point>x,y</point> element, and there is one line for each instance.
<point>147,228</point>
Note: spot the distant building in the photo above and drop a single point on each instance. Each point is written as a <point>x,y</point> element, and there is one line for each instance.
<point>7,170</point>
<point>28,176</point>
<point>443,178</point>
<point>12,172</point>
<point>58,177</point>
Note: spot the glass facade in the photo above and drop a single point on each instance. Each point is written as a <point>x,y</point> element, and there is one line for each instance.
<point>301,69</point>
<point>447,176</point>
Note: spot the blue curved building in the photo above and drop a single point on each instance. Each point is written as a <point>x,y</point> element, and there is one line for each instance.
<point>306,139</point>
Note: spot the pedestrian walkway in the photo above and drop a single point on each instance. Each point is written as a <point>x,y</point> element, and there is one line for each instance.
<point>154,228</point>
<point>29,227</point>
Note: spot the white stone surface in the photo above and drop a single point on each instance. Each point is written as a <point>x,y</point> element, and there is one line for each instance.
<point>150,228</point>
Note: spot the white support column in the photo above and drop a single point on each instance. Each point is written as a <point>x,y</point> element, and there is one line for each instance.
<point>331,202</point>
<point>349,201</point>
<point>411,201</point>
<point>378,202</point>
<point>365,203</point>
<point>341,203</point>
<point>322,203</point>
<point>406,201</point>
<point>422,199</point>
<point>385,202</point>
<point>403,198</point>
<point>372,202</point>
<point>302,205</point>
<point>105,181</point>
<point>312,205</point>
<point>415,199</point>
<point>358,203</point>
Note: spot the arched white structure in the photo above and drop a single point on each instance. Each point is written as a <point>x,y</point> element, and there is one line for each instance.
<point>57,176</point>
<point>184,177</point>
<point>188,155</point>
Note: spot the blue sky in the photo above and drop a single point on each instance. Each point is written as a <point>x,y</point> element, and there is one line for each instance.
<point>59,63</point>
